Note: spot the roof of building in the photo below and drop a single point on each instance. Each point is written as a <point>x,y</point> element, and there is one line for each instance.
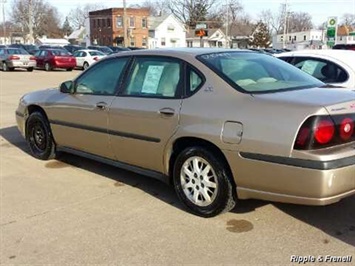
<point>154,22</point>
<point>77,34</point>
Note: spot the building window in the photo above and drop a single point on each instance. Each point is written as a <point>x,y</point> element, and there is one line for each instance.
<point>131,22</point>
<point>281,38</point>
<point>162,43</point>
<point>295,38</point>
<point>94,23</point>
<point>144,23</point>
<point>119,22</point>
<point>144,41</point>
<point>104,23</point>
<point>171,27</point>
<point>289,38</point>
<point>304,37</point>
<point>133,42</point>
<point>109,23</point>
<point>98,23</point>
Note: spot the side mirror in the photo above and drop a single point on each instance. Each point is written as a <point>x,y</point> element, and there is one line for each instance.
<point>67,87</point>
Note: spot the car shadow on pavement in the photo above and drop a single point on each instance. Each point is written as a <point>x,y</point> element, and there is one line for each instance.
<point>336,220</point>
<point>14,137</point>
<point>121,177</point>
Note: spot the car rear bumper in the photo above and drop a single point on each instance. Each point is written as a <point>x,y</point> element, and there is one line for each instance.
<point>22,64</point>
<point>293,180</point>
<point>64,65</point>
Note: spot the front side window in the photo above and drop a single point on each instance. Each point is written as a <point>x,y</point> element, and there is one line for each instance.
<point>251,72</point>
<point>154,77</point>
<point>101,79</point>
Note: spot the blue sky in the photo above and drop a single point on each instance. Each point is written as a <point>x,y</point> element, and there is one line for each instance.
<point>319,9</point>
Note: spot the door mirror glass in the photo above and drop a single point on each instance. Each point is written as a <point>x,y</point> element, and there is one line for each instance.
<point>67,87</point>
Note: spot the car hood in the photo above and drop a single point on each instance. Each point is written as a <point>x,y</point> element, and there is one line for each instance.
<point>334,100</point>
<point>41,97</point>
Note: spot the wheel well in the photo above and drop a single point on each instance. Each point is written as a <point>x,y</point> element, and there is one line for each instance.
<point>185,142</point>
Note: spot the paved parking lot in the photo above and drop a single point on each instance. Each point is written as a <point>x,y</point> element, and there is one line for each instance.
<point>77,211</point>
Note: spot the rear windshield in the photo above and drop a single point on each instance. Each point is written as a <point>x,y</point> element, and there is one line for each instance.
<point>16,51</point>
<point>252,72</point>
<point>60,52</point>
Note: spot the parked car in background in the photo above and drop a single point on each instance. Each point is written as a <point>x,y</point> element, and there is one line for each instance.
<point>135,48</point>
<point>104,49</point>
<point>72,48</point>
<point>2,46</point>
<point>85,58</point>
<point>50,59</point>
<point>217,124</point>
<point>117,49</point>
<point>12,58</point>
<point>30,48</point>
<point>335,67</point>
<point>344,47</point>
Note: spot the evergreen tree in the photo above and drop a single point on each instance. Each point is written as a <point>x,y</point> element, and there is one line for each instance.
<point>66,28</point>
<point>261,36</point>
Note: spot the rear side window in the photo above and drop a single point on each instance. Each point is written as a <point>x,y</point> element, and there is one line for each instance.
<point>323,70</point>
<point>154,77</point>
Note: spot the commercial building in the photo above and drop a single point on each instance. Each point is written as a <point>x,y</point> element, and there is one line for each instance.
<point>107,27</point>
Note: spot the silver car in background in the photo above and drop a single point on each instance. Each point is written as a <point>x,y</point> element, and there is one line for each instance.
<point>12,58</point>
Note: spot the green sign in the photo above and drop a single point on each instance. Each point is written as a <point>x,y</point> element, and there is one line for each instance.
<point>331,31</point>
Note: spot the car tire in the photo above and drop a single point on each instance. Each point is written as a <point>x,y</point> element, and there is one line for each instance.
<point>39,137</point>
<point>47,67</point>
<point>86,65</point>
<point>202,182</point>
<point>30,69</point>
<point>5,67</point>
<point>69,69</point>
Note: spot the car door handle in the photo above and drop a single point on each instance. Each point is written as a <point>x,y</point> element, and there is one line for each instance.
<point>167,111</point>
<point>101,105</point>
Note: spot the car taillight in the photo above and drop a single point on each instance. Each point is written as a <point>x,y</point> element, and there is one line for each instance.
<point>14,57</point>
<point>32,58</point>
<point>96,58</point>
<point>346,128</point>
<point>325,131</point>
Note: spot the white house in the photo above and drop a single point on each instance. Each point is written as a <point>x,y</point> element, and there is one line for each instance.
<point>166,31</point>
<point>216,38</point>
<point>345,35</point>
<point>310,39</point>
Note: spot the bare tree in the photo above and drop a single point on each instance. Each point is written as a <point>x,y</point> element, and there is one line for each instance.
<point>156,7</point>
<point>274,21</point>
<point>190,12</point>
<point>78,15</point>
<point>45,18</point>
<point>348,19</point>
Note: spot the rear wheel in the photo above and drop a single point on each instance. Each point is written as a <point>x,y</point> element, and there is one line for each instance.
<point>4,66</point>
<point>39,137</point>
<point>202,183</point>
<point>69,69</point>
<point>86,65</point>
<point>47,67</point>
<point>30,69</point>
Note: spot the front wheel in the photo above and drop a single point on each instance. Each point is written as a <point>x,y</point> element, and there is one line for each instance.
<point>39,137</point>
<point>202,182</point>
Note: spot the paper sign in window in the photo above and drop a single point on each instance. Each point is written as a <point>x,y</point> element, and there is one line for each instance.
<point>309,66</point>
<point>152,79</point>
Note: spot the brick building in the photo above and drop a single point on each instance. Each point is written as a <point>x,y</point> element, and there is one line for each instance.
<point>106,27</point>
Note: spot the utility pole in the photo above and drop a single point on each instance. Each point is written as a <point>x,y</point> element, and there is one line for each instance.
<point>227,26</point>
<point>125,38</point>
<point>285,25</point>
<point>30,23</point>
<point>3,19</point>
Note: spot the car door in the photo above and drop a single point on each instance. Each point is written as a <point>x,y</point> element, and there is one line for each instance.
<point>40,57</point>
<point>79,120</point>
<point>145,115</point>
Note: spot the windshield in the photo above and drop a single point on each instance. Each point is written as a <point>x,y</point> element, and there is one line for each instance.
<point>16,51</point>
<point>252,72</point>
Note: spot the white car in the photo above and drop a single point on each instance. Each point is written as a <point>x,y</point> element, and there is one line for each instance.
<point>85,58</point>
<point>335,67</point>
